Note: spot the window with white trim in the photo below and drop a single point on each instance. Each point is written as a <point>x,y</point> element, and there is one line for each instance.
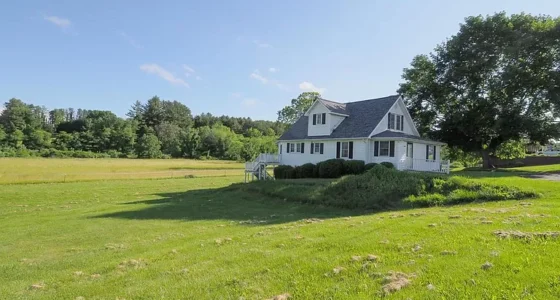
<point>317,148</point>
<point>298,147</point>
<point>395,122</point>
<point>319,119</point>
<point>430,152</point>
<point>384,148</point>
<point>344,149</point>
<point>292,146</point>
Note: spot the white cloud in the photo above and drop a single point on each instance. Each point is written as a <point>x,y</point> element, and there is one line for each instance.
<point>236,95</point>
<point>198,78</point>
<point>272,70</point>
<point>262,44</point>
<point>130,40</point>
<point>249,102</point>
<point>257,76</point>
<point>163,73</point>
<point>60,22</point>
<point>307,86</point>
<point>188,69</point>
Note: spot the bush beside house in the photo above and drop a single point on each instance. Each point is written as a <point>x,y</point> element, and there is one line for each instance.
<point>332,168</point>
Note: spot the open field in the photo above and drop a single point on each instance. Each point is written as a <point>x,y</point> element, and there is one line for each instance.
<point>32,170</point>
<point>198,238</point>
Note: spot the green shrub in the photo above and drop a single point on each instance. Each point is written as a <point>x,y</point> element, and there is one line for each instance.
<point>332,168</point>
<point>456,165</point>
<point>284,172</point>
<point>383,188</point>
<point>316,170</point>
<point>354,167</point>
<point>298,173</point>
<point>426,200</point>
<point>369,166</point>
<point>388,165</point>
<point>307,170</point>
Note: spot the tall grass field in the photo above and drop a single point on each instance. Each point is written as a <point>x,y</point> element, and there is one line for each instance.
<point>33,170</point>
<point>148,237</point>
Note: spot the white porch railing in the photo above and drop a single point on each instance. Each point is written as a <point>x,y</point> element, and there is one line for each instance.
<point>258,168</point>
<point>425,165</point>
<point>265,158</point>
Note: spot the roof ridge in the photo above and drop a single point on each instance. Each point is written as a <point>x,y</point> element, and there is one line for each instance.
<point>323,99</point>
<point>372,99</point>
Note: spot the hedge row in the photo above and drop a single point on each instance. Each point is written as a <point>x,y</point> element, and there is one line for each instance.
<point>23,152</point>
<point>332,168</point>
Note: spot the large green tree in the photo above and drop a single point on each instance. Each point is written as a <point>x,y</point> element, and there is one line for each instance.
<point>298,106</point>
<point>148,146</point>
<point>496,80</point>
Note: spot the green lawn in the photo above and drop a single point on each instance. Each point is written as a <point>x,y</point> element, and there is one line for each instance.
<point>32,170</point>
<point>200,239</point>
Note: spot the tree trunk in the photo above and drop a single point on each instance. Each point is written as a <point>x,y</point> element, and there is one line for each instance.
<point>486,160</point>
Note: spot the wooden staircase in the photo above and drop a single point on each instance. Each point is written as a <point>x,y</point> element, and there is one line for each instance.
<point>258,169</point>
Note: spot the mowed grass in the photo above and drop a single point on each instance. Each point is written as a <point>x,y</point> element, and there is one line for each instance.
<point>32,170</point>
<point>201,238</point>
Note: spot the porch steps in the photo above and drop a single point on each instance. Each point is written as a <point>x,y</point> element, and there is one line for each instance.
<point>258,169</point>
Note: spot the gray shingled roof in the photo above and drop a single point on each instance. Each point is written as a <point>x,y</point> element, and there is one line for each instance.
<point>396,134</point>
<point>363,117</point>
<point>335,107</point>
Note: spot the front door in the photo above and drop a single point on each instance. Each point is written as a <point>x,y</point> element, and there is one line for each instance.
<point>409,155</point>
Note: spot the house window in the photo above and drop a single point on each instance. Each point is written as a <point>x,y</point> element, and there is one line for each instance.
<point>344,150</point>
<point>319,119</point>
<point>317,148</point>
<point>292,146</point>
<point>430,152</point>
<point>384,148</point>
<point>298,147</point>
<point>391,121</point>
<point>396,122</point>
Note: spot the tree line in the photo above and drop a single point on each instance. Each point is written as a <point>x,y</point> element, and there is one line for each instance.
<point>154,129</point>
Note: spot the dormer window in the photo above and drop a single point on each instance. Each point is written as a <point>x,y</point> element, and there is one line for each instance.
<point>396,122</point>
<point>319,119</point>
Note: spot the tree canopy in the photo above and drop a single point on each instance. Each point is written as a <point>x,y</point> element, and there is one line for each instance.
<point>291,113</point>
<point>497,80</point>
<point>156,128</point>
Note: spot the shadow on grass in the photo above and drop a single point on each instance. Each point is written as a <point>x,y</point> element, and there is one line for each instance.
<point>227,203</point>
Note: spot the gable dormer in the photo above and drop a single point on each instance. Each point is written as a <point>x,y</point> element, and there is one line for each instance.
<point>324,116</point>
<point>397,119</point>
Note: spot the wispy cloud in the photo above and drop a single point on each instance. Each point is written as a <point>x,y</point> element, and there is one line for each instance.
<point>273,82</point>
<point>249,102</point>
<point>188,69</point>
<point>272,70</point>
<point>257,76</point>
<point>198,78</point>
<point>163,73</point>
<point>262,44</point>
<point>236,95</point>
<point>130,40</point>
<point>58,21</point>
<point>307,86</point>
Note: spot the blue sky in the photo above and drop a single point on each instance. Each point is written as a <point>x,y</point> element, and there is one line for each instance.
<point>240,58</point>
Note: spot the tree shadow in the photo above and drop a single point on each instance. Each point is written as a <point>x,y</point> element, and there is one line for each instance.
<point>227,203</point>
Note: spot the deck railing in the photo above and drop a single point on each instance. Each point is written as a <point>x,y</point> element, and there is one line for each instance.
<point>266,158</point>
<point>426,165</point>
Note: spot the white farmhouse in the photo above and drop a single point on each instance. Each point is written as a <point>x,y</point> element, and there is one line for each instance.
<point>375,130</point>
